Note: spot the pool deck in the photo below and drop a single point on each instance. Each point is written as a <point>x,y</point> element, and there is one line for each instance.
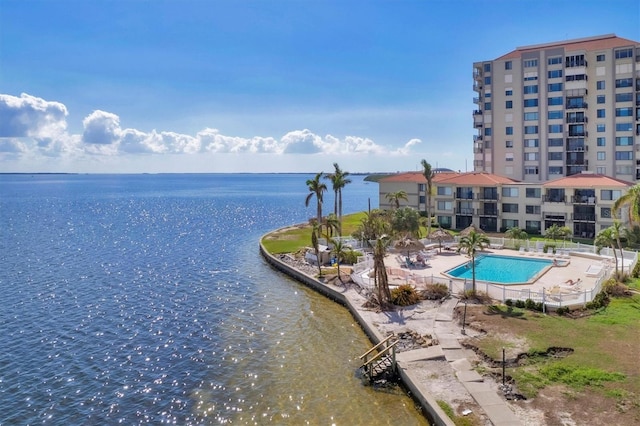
<point>576,268</point>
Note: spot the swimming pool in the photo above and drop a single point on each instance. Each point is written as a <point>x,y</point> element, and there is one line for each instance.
<point>502,269</point>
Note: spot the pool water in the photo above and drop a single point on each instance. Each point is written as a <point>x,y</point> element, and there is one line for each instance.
<point>501,269</point>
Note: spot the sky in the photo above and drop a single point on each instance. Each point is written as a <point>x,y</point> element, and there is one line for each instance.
<point>221,86</point>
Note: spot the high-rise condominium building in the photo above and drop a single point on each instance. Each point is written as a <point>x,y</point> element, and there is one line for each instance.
<point>559,109</point>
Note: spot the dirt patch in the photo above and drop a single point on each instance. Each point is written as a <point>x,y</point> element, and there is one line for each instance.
<point>556,404</point>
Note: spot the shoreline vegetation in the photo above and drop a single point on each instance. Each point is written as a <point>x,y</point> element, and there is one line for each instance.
<point>588,374</point>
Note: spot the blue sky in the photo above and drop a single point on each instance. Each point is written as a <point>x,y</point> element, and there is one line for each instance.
<point>261,86</point>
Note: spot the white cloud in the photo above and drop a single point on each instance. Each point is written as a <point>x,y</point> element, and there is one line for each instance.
<point>29,116</point>
<point>32,127</point>
<point>101,128</point>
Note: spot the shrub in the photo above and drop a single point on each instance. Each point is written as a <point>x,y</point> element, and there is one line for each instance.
<point>613,288</point>
<point>562,310</point>
<point>539,307</point>
<point>636,270</point>
<point>435,291</point>
<point>404,295</point>
<point>508,302</point>
<point>519,303</point>
<point>530,304</point>
<point>600,301</point>
<point>351,256</point>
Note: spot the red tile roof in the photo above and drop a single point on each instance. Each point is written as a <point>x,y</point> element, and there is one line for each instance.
<point>453,178</point>
<point>588,44</point>
<point>587,180</point>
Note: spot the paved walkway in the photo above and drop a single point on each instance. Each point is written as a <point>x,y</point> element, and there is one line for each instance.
<point>448,333</point>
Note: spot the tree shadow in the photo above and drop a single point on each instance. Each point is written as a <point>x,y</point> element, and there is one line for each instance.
<point>504,313</point>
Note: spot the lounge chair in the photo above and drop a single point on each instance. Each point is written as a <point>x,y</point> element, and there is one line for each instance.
<point>593,270</point>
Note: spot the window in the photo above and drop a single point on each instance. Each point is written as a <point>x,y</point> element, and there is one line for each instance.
<point>422,199</point>
<point>487,106</point>
<point>600,84</point>
<point>532,226</point>
<point>555,170</point>
<point>445,205</point>
<point>554,74</point>
<point>487,80</point>
<point>554,60</point>
<point>575,61</point>
<point>600,99</point>
<point>554,101</point>
<point>507,65</point>
<point>530,170</point>
<point>422,186</point>
<point>624,127</point>
<point>576,77</point>
<point>530,103</point>
<point>532,193</point>
<point>610,194</point>
<point>444,190</point>
<point>624,97</point>
<point>624,170</point>
<point>528,90</point>
<point>530,156</point>
<point>530,76</point>
<point>601,156</point>
<point>576,130</point>
<point>624,141</point>
<point>600,128</point>
<point>510,223</point>
<point>508,130</point>
<point>624,112</point>
<point>576,102</point>
<point>487,95</point>
<point>487,131</point>
<point>552,115</point>
<point>554,87</point>
<point>530,130</point>
<point>601,141</point>
<point>605,212</point>
<point>624,53</point>
<point>508,92</point>
<point>487,67</point>
<point>508,104</point>
<point>555,128</point>
<point>509,192</point>
<point>444,221</point>
<point>509,208</point>
<point>576,117</point>
<point>531,116</point>
<point>624,82</point>
<point>600,58</point>
<point>508,156</point>
<point>601,113</point>
<point>530,63</point>
<point>554,141</point>
<point>531,143</point>
<point>554,156</point>
<point>624,155</point>
<point>601,170</point>
<point>532,209</point>
<point>508,144</point>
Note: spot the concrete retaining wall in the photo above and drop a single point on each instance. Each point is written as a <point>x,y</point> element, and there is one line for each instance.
<point>418,393</point>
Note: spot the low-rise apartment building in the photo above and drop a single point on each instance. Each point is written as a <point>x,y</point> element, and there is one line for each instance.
<point>581,202</point>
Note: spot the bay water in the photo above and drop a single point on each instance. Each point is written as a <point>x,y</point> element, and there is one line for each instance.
<point>142,299</point>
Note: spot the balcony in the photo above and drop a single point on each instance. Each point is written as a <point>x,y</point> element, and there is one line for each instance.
<point>477,112</point>
<point>555,198</point>
<point>464,212</point>
<point>584,217</point>
<point>582,105</point>
<point>492,196</point>
<point>477,138</point>
<point>488,212</point>
<point>584,199</point>
<point>477,87</point>
<point>476,100</point>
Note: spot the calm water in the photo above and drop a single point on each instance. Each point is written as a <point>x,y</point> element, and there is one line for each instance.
<point>142,299</point>
<point>502,269</point>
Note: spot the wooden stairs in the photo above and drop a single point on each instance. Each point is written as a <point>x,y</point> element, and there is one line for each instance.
<point>380,361</point>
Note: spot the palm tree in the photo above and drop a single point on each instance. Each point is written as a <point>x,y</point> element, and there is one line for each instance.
<point>630,200</point>
<point>607,238</point>
<point>331,225</point>
<point>315,232</point>
<point>375,230</point>
<point>395,197</point>
<point>475,241</point>
<point>406,221</point>
<point>339,180</point>
<point>516,233</point>
<point>339,250</point>
<point>428,173</point>
<point>316,188</point>
<point>554,232</point>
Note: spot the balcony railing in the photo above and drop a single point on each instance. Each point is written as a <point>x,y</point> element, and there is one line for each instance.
<point>477,112</point>
<point>555,198</point>
<point>583,217</point>
<point>464,212</point>
<point>584,199</point>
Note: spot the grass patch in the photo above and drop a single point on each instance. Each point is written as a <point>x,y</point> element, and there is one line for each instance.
<point>458,420</point>
<point>605,347</point>
<point>292,239</point>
